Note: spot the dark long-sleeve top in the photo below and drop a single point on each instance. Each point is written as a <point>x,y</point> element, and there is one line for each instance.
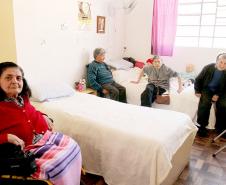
<point>22,121</point>
<point>204,78</point>
<point>98,74</point>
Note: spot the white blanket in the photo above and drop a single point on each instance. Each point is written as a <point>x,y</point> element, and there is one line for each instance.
<point>185,102</point>
<point>126,144</point>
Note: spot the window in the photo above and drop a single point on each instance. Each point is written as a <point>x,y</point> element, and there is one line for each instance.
<point>201,23</point>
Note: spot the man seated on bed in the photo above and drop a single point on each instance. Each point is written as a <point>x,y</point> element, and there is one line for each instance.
<point>100,78</point>
<point>158,80</point>
<point>210,87</point>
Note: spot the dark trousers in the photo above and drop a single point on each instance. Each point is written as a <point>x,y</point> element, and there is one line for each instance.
<point>204,111</point>
<point>116,91</point>
<point>149,94</point>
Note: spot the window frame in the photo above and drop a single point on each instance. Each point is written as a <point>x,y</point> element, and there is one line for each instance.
<point>215,24</point>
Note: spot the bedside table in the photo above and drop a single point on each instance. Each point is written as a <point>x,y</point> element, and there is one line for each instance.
<point>89,91</point>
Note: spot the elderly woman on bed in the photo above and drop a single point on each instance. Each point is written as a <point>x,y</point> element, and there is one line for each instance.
<point>58,157</point>
<point>158,80</point>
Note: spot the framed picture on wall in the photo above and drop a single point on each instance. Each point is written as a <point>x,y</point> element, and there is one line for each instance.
<point>100,24</point>
<point>84,14</point>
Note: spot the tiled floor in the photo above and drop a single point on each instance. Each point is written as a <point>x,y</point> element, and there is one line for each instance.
<point>203,168</point>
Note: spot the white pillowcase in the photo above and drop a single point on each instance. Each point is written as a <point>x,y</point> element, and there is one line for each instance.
<point>120,64</point>
<point>43,91</point>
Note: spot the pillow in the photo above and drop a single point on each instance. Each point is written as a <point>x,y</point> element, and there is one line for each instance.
<point>139,64</point>
<point>46,90</point>
<point>120,64</point>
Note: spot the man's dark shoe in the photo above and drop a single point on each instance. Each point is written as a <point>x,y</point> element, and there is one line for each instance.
<point>202,133</point>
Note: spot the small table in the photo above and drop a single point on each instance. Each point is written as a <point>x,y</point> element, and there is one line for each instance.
<point>89,91</point>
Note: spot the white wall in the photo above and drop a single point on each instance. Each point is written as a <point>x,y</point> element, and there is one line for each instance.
<point>138,41</point>
<point>197,56</point>
<point>138,30</point>
<point>50,45</point>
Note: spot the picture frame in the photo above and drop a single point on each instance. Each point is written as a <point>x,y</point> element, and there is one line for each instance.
<point>84,14</point>
<point>101,24</point>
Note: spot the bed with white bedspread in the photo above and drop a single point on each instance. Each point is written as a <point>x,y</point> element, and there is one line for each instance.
<point>185,102</point>
<point>126,144</point>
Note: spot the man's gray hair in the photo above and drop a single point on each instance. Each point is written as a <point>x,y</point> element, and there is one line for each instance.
<point>98,51</point>
<point>221,56</point>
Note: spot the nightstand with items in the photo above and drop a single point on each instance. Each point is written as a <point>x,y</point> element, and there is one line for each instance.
<point>89,91</point>
<point>81,87</point>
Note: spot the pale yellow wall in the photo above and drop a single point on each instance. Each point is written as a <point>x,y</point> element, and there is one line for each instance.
<point>7,36</point>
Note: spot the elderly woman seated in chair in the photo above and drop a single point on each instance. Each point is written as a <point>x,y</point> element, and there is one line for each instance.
<point>58,156</point>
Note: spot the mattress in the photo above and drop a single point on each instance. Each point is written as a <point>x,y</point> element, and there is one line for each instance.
<point>126,144</point>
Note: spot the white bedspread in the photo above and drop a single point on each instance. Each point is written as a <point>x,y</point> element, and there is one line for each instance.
<point>185,102</point>
<point>126,144</point>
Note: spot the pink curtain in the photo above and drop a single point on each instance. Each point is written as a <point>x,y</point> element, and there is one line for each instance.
<point>164,27</point>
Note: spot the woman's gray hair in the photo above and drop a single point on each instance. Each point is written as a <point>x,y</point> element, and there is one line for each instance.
<point>156,57</point>
<point>221,56</point>
<point>98,51</point>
